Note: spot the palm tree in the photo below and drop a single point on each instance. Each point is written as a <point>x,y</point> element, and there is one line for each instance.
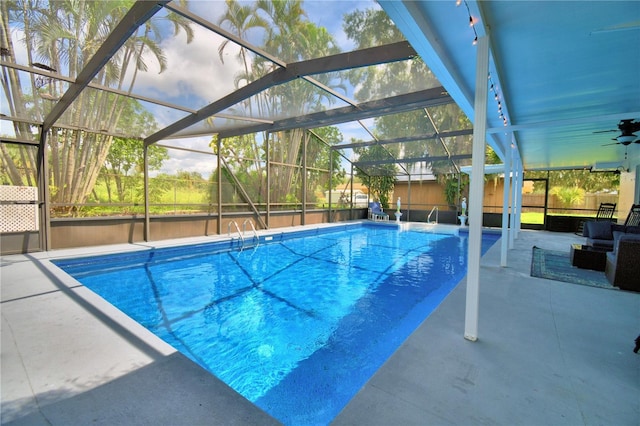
<point>289,37</point>
<point>65,35</point>
<point>240,20</point>
<point>292,38</point>
<point>15,101</point>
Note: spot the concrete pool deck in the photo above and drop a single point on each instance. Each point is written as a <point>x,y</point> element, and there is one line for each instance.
<point>548,353</point>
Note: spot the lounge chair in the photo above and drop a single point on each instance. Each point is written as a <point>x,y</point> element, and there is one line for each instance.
<point>605,212</point>
<point>633,218</point>
<point>603,233</point>
<point>376,213</point>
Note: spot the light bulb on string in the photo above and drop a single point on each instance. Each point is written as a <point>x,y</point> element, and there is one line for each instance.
<point>493,88</point>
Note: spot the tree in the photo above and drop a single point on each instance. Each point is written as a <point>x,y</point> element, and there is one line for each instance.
<point>240,19</point>
<point>17,165</point>
<point>125,161</point>
<point>64,35</point>
<point>372,28</point>
<point>318,158</point>
<point>585,179</point>
<point>454,186</point>
<point>380,183</point>
<point>568,196</point>
<point>286,34</point>
<point>16,101</point>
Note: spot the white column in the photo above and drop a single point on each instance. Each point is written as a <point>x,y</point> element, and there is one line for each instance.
<point>514,202</point>
<point>519,188</point>
<point>476,190</point>
<point>504,241</point>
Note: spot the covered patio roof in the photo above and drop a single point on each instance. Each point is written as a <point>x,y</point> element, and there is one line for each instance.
<point>561,73</point>
<point>223,96</point>
<point>562,77</point>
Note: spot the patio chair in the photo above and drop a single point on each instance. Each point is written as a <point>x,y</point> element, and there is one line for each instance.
<point>633,219</point>
<point>605,212</point>
<point>376,213</point>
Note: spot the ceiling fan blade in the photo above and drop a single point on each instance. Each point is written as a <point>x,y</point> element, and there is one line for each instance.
<point>632,25</point>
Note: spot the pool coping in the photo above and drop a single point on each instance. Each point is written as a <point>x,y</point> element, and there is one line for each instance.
<point>64,361</point>
<point>60,284</point>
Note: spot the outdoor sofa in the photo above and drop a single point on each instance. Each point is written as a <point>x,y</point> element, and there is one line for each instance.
<point>623,263</point>
<point>601,233</point>
<point>623,257</point>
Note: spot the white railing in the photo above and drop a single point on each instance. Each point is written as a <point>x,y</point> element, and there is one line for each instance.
<point>233,222</point>
<point>435,208</point>
<point>253,228</point>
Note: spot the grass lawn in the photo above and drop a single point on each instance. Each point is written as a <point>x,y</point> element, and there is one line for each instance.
<point>532,217</point>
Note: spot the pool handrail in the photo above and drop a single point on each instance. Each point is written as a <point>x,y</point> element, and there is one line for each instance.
<point>233,222</point>
<point>253,228</point>
<point>430,213</point>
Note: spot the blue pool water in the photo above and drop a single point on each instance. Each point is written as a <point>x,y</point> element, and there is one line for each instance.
<point>298,324</point>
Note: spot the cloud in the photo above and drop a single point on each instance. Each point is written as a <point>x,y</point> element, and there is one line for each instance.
<point>180,159</point>
<point>205,165</point>
<point>20,50</point>
<point>194,76</point>
<point>330,14</point>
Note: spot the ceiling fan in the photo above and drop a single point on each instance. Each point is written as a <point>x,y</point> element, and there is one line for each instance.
<point>632,25</point>
<point>627,128</point>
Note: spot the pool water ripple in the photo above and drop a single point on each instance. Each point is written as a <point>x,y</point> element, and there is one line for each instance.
<point>296,326</point>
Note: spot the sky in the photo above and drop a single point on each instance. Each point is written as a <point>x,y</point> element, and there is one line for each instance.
<point>194,76</point>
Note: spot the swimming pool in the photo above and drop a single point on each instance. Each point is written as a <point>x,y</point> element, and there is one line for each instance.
<point>297,324</point>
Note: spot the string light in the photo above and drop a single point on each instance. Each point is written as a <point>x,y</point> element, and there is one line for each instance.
<point>492,87</point>
<point>496,96</point>
<point>472,20</point>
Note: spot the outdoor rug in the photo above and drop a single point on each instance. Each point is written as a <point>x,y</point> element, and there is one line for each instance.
<point>556,265</point>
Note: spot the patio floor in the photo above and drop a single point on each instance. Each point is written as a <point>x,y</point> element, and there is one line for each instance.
<point>548,353</point>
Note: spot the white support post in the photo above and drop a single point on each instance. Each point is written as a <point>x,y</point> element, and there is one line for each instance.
<point>476,191</point>
<point>515,209</point>
<point>504,241</point>
<point>519,188</point>
<point>516,194</point>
